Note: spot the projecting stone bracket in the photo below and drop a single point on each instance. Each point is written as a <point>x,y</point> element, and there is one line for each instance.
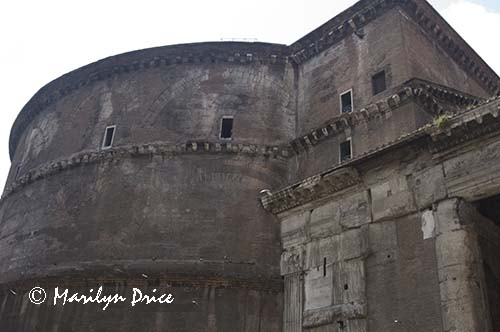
<point>310,189</point>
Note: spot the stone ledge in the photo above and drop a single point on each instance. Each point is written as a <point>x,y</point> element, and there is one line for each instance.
<point>481,120</point>
<point>155,148</point>
<point>338,124</point>
<point>310,189</point>
<point>478,121</point>
<point>339,27</point>
<point>447,94</point>
<point>421,92</point>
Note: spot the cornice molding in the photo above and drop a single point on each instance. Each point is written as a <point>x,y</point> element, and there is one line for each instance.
<point>452,43</point>
<point>344,121</point>
<point>344,24</point>
<point>446,94</point>
<point>355,18</point>
<point>452,131</point>
<point>309,189</point>
<point>479,121</point>
<point>278,153</point>
<point>428,95</point>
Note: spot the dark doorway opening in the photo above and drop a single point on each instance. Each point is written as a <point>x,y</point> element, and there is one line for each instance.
<point>489,242</point>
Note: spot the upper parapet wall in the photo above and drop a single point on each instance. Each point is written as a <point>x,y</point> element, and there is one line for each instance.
<point>359,15</point>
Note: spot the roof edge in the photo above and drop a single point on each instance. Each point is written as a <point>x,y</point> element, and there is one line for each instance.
<point>421,12</point>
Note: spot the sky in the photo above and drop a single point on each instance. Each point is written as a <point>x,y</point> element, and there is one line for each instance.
<point>41,40</point>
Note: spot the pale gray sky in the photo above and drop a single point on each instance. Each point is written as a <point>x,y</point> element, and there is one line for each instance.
<point>42,40</point>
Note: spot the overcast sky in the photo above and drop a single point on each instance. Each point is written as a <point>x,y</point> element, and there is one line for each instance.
<point>42,40</point>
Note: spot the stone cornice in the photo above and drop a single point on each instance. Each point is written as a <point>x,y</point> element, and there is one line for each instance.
<point>479,121</point>
<point>344,24</point>
<point>155,148</point>
<point>347,120</point>
<point>454,45</point>
<point>445,94</point>
<point>310,189</point>
<point>355,18</point>
<point>432,97</point>
<point>320,185</point>
<point>448,132</point>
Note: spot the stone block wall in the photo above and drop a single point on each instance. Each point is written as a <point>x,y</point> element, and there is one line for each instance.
<point>402,248</point>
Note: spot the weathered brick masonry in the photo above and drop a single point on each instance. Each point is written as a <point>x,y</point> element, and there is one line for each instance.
<point>348,182</point>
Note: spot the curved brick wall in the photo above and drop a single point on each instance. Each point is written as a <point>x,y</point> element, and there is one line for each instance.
<point>170,204</point>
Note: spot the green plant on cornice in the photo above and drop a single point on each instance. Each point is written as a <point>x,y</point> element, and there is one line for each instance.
<point>442,121</point>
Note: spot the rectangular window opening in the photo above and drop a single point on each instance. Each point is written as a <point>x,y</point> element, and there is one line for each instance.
<point>345,150</point>
<point>109,134</point>
<point>324,266</point>
<point>346,102</point>
<point>226,128</point>
<point>378,82</point>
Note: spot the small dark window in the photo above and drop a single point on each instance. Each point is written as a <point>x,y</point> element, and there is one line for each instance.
<point>109,134</point>
<point>324,266</point>
<point>345,150</point>
<point>346,102</point>
<point>378,82</point>
<point>226,129</point>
